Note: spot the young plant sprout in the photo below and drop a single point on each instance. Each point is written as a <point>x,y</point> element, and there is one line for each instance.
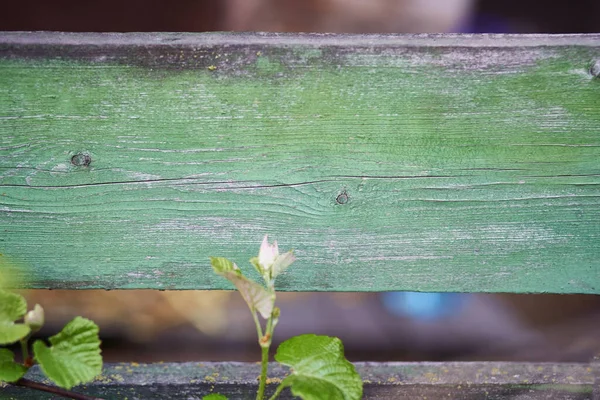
<point>72,358</point>
<point>319,369</point>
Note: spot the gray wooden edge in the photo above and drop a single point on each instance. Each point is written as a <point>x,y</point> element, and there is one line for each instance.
<point>312,39</point>
<point>468,380</point>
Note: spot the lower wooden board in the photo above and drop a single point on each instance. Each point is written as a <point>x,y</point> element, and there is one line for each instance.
<point>477,380</point>
<point>428,163</point>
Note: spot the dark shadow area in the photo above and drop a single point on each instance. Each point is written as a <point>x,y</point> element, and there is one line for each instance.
<point>112,16</point>
<point>509,16</point>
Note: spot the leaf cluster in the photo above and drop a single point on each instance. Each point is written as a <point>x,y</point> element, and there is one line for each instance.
<point>73,356</point>
<point>319,369</point>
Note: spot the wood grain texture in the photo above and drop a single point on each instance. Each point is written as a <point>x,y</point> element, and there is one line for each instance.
<point>524,381</point>
<point>428,163</point>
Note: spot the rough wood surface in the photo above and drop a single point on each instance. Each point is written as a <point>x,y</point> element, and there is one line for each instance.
<point>432,163</point>
<point>382,381</point>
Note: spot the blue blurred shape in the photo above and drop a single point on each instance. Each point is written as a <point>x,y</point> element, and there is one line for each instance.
<point>424,306</point>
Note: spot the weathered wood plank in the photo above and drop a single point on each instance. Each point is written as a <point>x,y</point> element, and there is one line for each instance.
<point>382,381</point>
<point>433,163</point>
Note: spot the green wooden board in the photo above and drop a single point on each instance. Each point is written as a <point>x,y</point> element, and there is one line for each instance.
<point>428,163</point>
<point>480,380</point>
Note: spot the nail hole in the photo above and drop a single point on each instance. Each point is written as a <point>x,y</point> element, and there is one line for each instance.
<point>81,160</point>
<point>342,198</point>
<point>595,69</point>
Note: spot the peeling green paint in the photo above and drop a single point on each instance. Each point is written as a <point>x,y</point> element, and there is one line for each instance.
<point>464,168</point>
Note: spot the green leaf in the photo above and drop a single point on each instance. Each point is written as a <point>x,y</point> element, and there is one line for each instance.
<point>10,371</point>
<point>319,368</point>
<point>74,356</point>
<point>8,272</point>
<point>256,296</point>
<point>12,307</point>
<point>3,275</point>
<point>214,396</point>
<point>257,267</point>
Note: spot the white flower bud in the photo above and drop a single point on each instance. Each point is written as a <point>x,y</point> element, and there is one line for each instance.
<point>35,318</point>
<point>267,254</point>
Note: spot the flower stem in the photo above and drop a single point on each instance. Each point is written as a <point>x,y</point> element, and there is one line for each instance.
<point>265,344</point>
<point>27,360</point>
<point>270,328</point>
<point>258,327</point>
<point>263,373</point>
<point>24,348</point>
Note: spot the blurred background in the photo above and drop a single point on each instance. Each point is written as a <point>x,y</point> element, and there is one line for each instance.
<point>516,16</point>
<point>216,325</point>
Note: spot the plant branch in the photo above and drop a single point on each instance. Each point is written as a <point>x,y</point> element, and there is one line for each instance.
<point>269,328</point>
<point>265,343</point>
<point>25,351</point>
<point>54,390</point>
<point>258,327</point>
<point>24,348</point>
<point>263,373</point>
<point>277,392</point>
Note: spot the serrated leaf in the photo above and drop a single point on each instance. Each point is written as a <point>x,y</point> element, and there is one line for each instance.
<point>214,396</point>
<point>74,356</point>
<point>256,296</point>
<point>12,307</point>
<point>10,371</point>
<point>319,368</point>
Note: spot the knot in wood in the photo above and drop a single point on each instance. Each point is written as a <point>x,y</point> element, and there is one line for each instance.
<point>81,160</point>
<point>342,198</point>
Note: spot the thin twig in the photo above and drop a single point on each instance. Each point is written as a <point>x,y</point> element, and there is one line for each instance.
<point>54,390</point>
<point>258,327</point>
<point>277,392</point>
